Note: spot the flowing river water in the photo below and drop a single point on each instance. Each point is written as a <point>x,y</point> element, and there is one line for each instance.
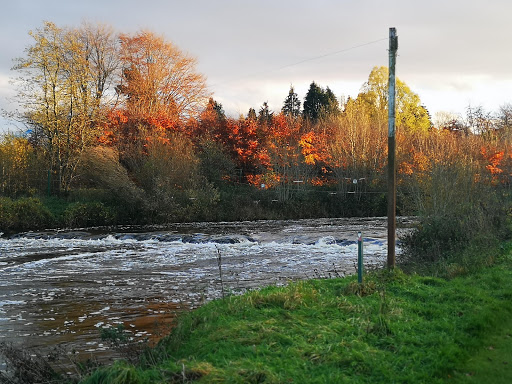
<point>60,288</point>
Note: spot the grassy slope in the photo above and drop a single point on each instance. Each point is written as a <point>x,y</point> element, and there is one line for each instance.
<point>492,363</point>
<point>403,329</point>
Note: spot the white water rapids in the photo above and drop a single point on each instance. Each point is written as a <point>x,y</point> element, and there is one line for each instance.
<point>61,288</point>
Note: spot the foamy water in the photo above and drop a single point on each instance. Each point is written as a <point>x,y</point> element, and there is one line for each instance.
<point>61,288</point>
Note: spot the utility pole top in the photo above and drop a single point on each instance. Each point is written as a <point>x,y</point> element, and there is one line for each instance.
<point>393,39</point>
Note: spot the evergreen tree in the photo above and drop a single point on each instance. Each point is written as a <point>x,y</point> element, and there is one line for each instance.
<point>313,102</point>
<point>265,115</point>
<point>291,105</point>
<point>330,103</point>
<point>320,102</point>
<point>217,108</point>
<point>251,115</point>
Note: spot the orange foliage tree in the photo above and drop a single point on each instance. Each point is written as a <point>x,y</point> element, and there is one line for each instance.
<point>160,91</point>
<point>160,78</point>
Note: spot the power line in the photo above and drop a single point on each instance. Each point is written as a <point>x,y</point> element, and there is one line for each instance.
<point>301,61</point>
<point>332,53</point>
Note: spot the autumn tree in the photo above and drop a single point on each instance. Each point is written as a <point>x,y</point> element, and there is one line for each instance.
<point>444,119</point>
<point>100,168</point>
<point>171,178</point>
<point>158,78</point>
<point>212,137</point>
<point>504,122</point>
<point>480,121</point>
<point>411,115</point>
<point>286,161</point>
<point>19,166</point>
<point>357,150</point>
<point>160,92</point>
<point>65,76</point>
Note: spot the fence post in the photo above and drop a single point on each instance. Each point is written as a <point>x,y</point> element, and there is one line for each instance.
<point>359,258</point>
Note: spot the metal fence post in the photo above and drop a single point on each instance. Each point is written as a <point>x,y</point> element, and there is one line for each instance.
<point>359,258</point>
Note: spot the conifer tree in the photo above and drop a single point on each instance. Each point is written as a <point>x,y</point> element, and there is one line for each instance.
<point>291,105</point>
<point>313,102</point>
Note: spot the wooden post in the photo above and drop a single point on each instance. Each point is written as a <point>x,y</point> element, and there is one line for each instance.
<point>393,46</point>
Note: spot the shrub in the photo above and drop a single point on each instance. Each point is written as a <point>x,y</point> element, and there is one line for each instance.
<point>88,214</point>
<point>23,214</point>
<point>460,220</point>
<point>102,173</point>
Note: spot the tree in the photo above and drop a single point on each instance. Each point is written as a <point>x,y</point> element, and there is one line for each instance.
<point>291,105</point>
<point>505,121</point>
<point>100,168</point>
<point>411,115</point>
<point>265,115</point>
<point>251,115</point>
<point>320,102</point>
<point>215,163</point>
<point>285,156</point>
<point>65,77</point>
<point>218,108</point>
<point>171,177</point>
<point>330,106</point>
<point>160,78</point>
<point>480,121</point>
<point>444,119</point>
<point>18,166</point>
<point>313,102</point>
<point>357,150</point>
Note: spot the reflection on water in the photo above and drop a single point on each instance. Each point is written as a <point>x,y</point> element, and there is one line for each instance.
<point>62,288</point>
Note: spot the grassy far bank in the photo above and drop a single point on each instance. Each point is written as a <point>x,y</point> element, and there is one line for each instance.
<point>395,328</point>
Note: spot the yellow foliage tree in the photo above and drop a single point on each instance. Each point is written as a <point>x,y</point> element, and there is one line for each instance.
<point>411,115</point>
<point>65,76</point>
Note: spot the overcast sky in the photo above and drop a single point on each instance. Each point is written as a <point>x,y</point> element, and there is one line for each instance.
<point>452,53</point>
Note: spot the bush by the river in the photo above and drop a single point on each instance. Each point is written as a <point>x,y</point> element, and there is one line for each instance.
<point>99,207</point>
<point>23,214</point>
<point>88,214</point>
<point>460,222</point>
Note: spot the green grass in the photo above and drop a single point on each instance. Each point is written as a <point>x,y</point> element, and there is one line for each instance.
<point>395,329</point>
<point>491,363</point>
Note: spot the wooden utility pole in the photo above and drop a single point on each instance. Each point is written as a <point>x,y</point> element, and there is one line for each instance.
<point>393,46</point>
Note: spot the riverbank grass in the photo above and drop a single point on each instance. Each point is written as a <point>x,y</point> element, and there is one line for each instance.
<point>394,328</point>
<point>491,363</point>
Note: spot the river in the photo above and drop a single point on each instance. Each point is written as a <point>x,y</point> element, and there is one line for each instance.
<point>60,288</point>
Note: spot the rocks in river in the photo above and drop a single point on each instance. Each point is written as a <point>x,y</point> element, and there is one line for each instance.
<point>194,238</point>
